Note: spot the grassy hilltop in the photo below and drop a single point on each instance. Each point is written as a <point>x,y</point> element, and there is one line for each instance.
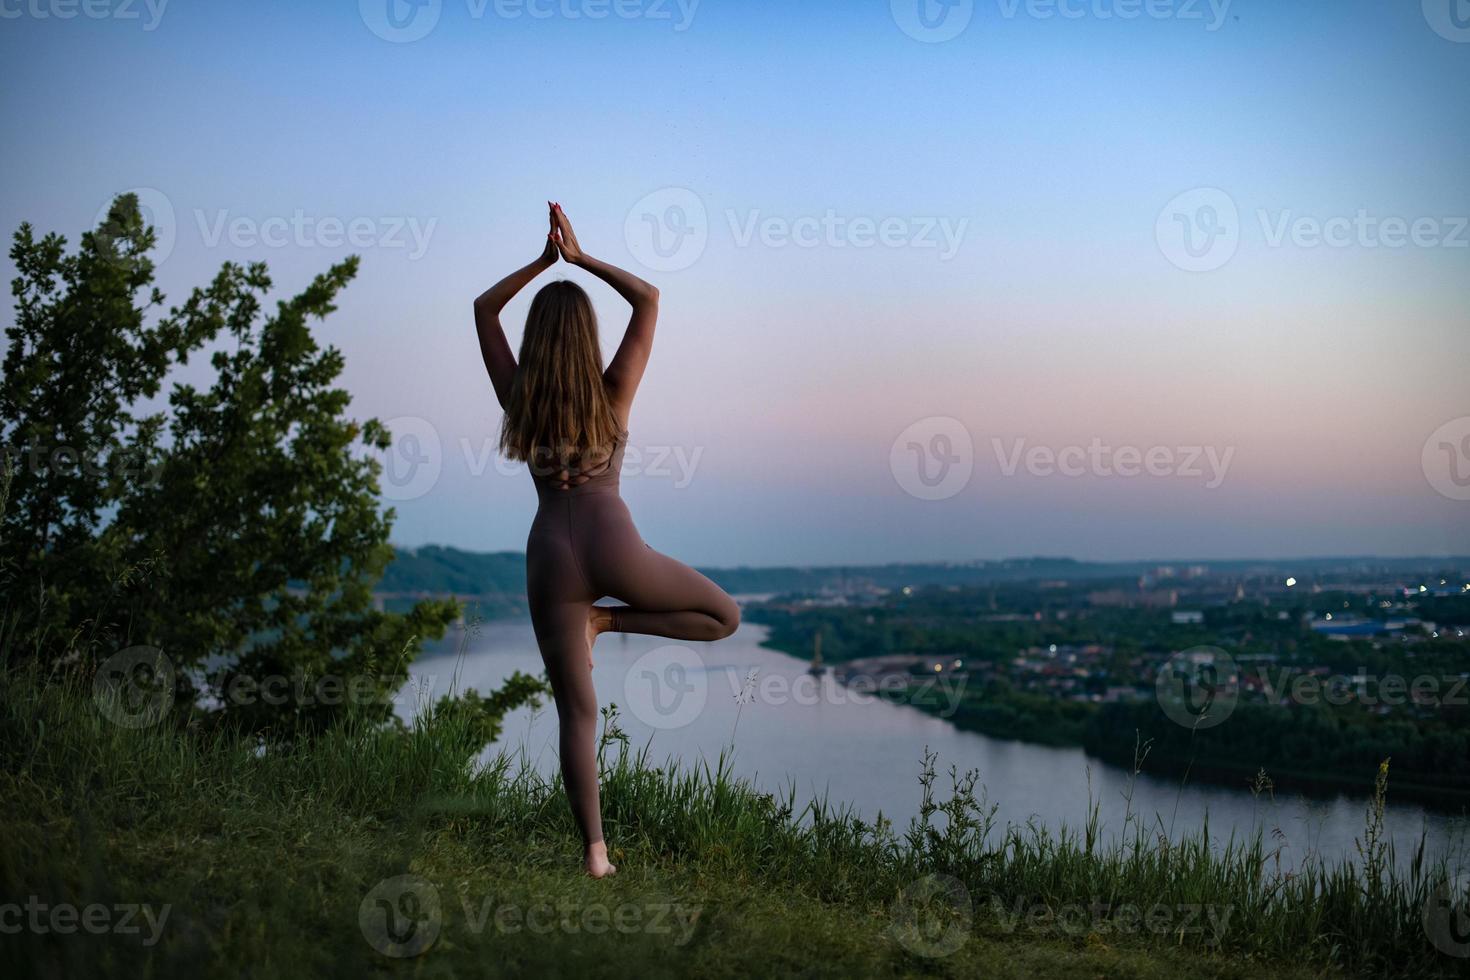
<point>258,859</point>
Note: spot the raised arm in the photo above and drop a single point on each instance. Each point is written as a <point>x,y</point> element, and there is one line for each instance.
<point>626,368</point>
<point>500,362</point>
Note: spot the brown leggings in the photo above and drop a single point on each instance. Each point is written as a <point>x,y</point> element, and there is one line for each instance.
<point>583,546</point>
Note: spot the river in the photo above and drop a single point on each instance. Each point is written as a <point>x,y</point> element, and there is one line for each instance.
<point>788,728</point>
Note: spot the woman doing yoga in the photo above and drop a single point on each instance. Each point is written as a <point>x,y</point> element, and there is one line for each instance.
<point>567,419</point>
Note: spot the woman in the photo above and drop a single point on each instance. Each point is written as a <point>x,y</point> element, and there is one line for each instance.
<point>567,419</point>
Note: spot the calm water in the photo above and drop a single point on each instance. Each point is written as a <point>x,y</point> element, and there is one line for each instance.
<point>818,736</point>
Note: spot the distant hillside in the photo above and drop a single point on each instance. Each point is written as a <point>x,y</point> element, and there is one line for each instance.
<point>498,578</point>
<point>897,575</point>
<point>493,582</point>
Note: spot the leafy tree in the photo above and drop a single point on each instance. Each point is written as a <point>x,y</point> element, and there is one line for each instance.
<point>239,530</point>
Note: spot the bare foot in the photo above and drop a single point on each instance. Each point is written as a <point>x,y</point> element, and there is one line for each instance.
<point>599,621</point>
<point>595,863</point>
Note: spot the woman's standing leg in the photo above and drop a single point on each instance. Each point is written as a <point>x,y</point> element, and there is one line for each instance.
<point>560,606</point>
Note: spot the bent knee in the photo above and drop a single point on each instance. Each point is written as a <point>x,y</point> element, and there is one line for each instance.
<point>728,618</point>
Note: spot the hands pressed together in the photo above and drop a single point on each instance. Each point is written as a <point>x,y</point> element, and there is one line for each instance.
<point>561,239</point>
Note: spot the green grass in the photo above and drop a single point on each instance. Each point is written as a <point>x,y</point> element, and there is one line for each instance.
<point>264,857</point>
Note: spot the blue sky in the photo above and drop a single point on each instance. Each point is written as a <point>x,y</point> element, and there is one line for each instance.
<point>1029,171</point>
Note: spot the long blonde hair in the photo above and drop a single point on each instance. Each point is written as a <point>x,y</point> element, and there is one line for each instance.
<point>559,409</point>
